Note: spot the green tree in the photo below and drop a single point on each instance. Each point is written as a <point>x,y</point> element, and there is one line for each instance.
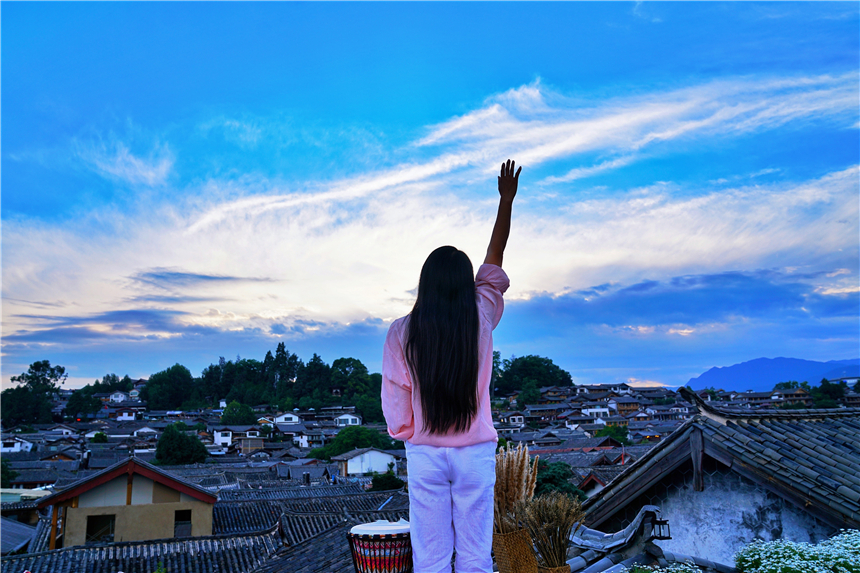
<point>353,438</point>
<point>82,403</point>
<point>828,394</point>
<point>168,389</point>
<point>7,474</point>
<point>503,443</point>
<point>386,482</point>
<point>530,394</point>
<point>313,382</point>
<point>177,448</point>
<point>286,367</point>
<point>31,401</point>
<point>617,433</point>
<point>99,438</point>
<point>555,477</point>
<point>370,409</point>
<point>236,414</point>
<point>350,376</point>
<point>542,371</point>
<point>790,385</point>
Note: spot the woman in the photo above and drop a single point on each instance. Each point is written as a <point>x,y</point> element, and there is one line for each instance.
<point>436,371</point>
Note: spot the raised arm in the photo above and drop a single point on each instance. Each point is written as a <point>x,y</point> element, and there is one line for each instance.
<point>507,191</point>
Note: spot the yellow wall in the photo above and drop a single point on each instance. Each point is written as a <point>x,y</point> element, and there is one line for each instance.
<point>150,515</point>
<point>140,522</point>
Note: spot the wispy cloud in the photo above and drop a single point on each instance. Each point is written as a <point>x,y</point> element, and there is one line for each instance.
<point>114,160</point>
<point>283,258</point>
<point>170,278</point>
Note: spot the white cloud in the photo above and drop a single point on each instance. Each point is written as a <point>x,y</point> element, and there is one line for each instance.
<point>351,250</point>
<point>115,161</point>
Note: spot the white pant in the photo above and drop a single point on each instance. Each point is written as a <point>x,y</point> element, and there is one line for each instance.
<point>451,507</point>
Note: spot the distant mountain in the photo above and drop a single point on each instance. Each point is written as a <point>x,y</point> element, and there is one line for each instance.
<point>762,374</point>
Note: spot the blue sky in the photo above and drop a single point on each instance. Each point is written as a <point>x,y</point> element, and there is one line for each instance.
<point>183,181</point>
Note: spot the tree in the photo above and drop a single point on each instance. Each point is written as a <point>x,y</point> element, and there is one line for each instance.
<point>554,477</point>
<point>178,448</point>
<point>31,401</point>
<point>386,482</point>
<point>168,389</point>
<point>530,394</point>
<point>313,384</point>
<point>542,371</point>
<point>790,385</point>
<point>82,403</point>
<point>99,438</point>
<point>352,438</point>
<point>7,474</point>
<point>238,414</point>
<point>350,376</point>
<point>617,433</point>
<point>286,367</point>
<point>828,394</point>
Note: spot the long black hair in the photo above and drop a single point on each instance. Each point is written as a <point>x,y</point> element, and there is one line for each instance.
<point>442,343</point>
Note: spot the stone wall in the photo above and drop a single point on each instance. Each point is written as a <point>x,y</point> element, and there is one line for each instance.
<point>715,523</point>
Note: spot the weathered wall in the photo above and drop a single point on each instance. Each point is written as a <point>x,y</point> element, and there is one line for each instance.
<point>368,462</point>
<point>139,522</point>
<point>715,523</point>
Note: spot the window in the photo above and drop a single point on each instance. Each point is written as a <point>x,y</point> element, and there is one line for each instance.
<point>182,523</point>
<point>100,529</point>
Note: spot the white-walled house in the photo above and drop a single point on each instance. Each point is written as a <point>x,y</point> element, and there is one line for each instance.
<point>126,414</point>
<point>596,411</point>
<point>287,418</point>
<point>13,444</point>
<point>348,420</point>
<point>226,435</point>
<point>119,396</point>
<point>363,461</point>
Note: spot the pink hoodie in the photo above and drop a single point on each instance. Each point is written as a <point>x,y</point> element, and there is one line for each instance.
<point>402,407</point>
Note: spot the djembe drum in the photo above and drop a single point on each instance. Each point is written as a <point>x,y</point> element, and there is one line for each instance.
<point>381,547</point>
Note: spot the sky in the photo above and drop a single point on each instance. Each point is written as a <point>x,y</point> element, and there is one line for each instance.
<point>184,181</point>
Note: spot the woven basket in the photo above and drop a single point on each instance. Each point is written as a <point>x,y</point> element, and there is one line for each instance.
<point>563,569</point>
<point>514,552</point>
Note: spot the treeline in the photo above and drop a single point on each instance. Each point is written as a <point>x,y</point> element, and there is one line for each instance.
<point>826,395</point>
<point>281,379</point>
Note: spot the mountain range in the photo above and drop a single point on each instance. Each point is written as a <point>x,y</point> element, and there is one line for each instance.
<point>762,374</point>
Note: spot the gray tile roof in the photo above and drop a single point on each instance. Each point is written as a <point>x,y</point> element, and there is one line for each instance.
<point>14,535</point>
<point>809,457</point>
<point>289,492</point>
<point>246,516</point>
<point>327,551</point>
<point>213,554</point>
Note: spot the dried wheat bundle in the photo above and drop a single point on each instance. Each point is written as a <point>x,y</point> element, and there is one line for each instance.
<point>551,519</point>
<point>515,482</point>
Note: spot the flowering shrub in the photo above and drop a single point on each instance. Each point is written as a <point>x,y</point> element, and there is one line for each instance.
<point>672,568</point>
<point>839,554</point>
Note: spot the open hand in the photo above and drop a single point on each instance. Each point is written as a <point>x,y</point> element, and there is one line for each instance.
<point>508,181</point>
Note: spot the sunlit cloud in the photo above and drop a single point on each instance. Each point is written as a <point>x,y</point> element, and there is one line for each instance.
<point>282,258</point>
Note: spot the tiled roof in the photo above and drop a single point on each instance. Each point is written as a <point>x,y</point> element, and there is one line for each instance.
<point>808,457</point>
<point>134,465</point>
<point>246,516</point>
<point>213,554</point>
<point>289,492</point>
<point>14,535</point>
<point>326,552</point>
<point>356,453</point>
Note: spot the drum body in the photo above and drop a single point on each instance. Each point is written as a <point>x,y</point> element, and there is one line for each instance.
<point>381,547</point>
